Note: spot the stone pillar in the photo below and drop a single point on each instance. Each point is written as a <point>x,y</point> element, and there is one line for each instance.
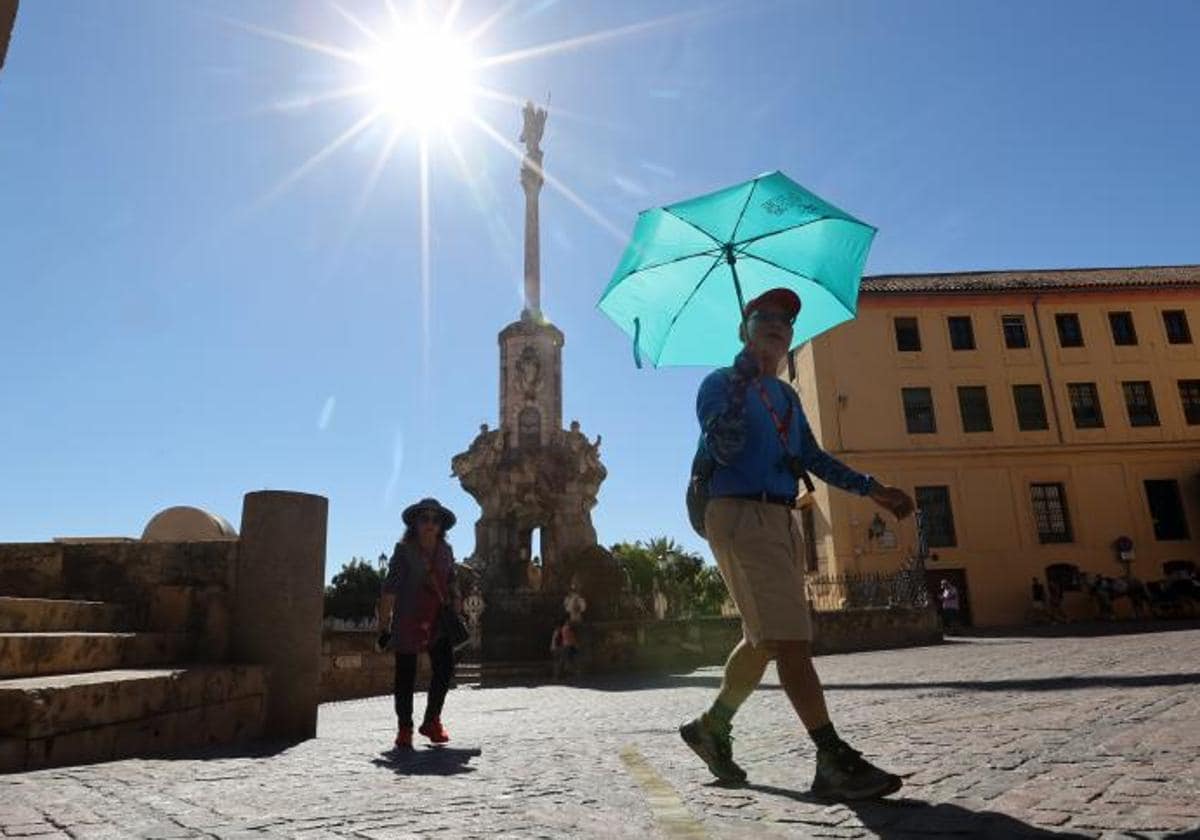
<point>531,181</point>
<point>278,604</point>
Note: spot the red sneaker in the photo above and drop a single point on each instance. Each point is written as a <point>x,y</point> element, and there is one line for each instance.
<point>434,731</point>
<point>404,738</point>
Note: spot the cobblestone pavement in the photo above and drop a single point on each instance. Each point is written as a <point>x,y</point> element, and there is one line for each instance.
<point>999,737</point>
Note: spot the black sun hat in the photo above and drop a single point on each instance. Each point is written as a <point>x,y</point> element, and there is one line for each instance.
<point>410,513</point>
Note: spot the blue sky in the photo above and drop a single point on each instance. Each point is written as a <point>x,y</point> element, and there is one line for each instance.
<point>175,331</point>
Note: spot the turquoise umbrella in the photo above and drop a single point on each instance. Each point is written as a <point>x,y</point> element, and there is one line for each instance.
<point>685,278</point>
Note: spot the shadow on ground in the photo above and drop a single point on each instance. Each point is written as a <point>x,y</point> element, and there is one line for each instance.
<point>1031,684</point>
<point>1080,629</point>
<point>912,818</point>
<point>650,682</point>
<point>217,752</point>
<point>432,761</point>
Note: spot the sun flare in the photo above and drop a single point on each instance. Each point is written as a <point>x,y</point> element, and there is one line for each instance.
<point>417,72</point>
<point>421,76</point>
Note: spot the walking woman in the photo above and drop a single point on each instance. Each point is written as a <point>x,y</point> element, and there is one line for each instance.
<point>418,588</point>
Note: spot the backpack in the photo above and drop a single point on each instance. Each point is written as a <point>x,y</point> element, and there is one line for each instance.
<point>704,465</point>
<point>696,497</point>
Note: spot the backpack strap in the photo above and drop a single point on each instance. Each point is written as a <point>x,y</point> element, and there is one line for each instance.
<point>792,396</point>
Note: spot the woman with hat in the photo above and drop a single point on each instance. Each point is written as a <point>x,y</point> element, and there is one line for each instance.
<point>419,585</point>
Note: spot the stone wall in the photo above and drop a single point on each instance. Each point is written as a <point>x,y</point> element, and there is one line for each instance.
<point>208,610</point>
<point>683,644</point>
<point>351,668</point>
<point>847,631</point>
<point>168,587</point>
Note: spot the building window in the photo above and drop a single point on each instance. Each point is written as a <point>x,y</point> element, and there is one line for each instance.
<point>973,405</point>
<point>1175,320</point>
<point>1015,336</point>
<point>1050,513</point>
<point>1123,332</point>
<point>1085,405</point>
<point>962,334</point>
<point>934,504</point>
<point>918,410</point>
<point>1139,402</point>
<point>908,335</point>
<point>1166,510</point>
<point>1031,408</point>
<point>1189,395</point>
<point>1070,334</point>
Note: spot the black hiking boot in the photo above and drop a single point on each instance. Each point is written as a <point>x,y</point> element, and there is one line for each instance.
<point>715,748</point>
<point>843,774</point>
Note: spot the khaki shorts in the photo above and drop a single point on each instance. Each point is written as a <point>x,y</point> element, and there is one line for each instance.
<point>760,551</point>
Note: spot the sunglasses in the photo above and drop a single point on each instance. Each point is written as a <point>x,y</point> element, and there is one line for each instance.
<point>773,317</point>
<point>429,518</point>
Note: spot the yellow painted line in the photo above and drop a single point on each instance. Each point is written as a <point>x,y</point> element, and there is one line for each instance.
<point>668,809</point>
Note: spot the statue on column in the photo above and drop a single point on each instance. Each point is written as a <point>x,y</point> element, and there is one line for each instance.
<point>531,134</point>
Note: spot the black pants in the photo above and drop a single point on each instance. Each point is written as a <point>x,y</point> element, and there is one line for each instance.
<point>441,661</point>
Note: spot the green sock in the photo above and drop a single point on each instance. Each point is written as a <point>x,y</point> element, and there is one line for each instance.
<point>720,716</point>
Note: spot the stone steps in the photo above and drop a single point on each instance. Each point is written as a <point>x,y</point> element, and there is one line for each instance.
<point>52,721</point>
<point>492,673</point>
<point>33,654</point>
<point>47,615</point>
<point>468,673</point>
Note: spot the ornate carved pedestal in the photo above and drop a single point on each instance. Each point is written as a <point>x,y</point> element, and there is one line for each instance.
<point>533,476</point>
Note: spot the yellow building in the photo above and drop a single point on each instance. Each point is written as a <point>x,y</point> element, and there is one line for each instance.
<point>1035,416</point>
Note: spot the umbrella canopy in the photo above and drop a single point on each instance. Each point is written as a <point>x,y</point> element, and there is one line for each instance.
<point>684,279</point>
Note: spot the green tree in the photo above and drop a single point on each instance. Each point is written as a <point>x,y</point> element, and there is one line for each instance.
<point>354,590</point>
<point>639,566</point>
<point>710,591</point>
<point>691,587</point>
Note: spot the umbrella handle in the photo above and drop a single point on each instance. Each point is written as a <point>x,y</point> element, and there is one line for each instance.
<point>737,284</point>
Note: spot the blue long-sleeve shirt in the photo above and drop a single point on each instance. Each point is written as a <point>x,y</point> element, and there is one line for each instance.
<point>741,437</point>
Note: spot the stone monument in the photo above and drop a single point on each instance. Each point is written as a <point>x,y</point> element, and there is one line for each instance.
<point>531,475</point>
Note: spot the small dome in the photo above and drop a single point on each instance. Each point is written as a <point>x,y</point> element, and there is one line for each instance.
<point>187,524</point>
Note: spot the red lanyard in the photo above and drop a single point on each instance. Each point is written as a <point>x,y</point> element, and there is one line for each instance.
<point>781,426</point>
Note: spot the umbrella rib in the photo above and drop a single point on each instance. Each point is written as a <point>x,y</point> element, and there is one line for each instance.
<point>692,256</point>
<point>667,210</point>
<point>741,215</point>
<point>753,239</point>
<point>688,300</point>
<point>795,273</point>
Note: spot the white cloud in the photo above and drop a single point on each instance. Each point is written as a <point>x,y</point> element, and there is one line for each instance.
<point>326,414</point>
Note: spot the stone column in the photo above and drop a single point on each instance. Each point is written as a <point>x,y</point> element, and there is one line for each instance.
<point>531,181</point>
<point>278,604</point>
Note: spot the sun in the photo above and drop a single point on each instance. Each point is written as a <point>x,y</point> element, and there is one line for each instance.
<point>417,71</point>
<point>420,76</point>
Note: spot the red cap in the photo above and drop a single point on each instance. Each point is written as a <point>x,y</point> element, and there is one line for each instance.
<point>785,299</point>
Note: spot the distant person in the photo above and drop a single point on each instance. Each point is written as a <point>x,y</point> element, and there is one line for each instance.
<point>950,604</point>
<point>564,646</point>
<point>1040,612</point>
<point>418,587</point>
<point>760,445</point>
